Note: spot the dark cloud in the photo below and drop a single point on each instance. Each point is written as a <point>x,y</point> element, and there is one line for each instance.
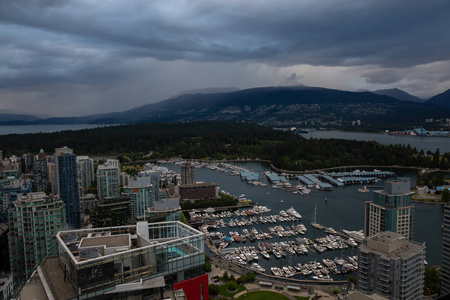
<point>383,76</point>
<point>112,44</point>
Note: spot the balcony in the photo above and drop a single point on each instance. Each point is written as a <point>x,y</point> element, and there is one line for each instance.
<point>383,262</point>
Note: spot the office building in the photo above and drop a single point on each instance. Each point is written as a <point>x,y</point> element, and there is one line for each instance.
<point>67,184</point>
<point>34,222</point>
<point>392,209</point>
<point>89,201</point>
<point>111,212</point>
<point>108,179</point>
<point>191,192</point>
<point>445,272</point>
<point>391,266</point>
<point>85,169</point>
<point>26,162</point>
<point>187,173</point>
<point>142,193</point>
<point>128,262</point>
<point>167,209</point>
<point>40,174</point>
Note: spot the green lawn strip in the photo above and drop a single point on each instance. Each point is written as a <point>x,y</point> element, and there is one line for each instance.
<point>263,295</point>
<point>223,289</point>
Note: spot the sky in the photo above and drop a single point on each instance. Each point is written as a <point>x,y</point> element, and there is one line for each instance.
<point>80,57</point>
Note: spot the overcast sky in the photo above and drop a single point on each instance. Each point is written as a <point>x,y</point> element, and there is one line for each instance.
<point>79,57</point>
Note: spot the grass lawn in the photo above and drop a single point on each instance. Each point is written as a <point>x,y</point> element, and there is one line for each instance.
<point>223,289</point>
<point>263,295</point>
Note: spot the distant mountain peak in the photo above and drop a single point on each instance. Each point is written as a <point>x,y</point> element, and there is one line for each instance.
<point>399,95</point>
<point>442,99</point>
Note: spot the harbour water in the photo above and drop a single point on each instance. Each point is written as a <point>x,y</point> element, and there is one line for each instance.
<point>419,142</point>
<point>22,129</point>
<point>344,209</point>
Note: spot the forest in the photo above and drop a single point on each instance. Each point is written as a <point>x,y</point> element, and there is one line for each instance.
<point>222,140</point>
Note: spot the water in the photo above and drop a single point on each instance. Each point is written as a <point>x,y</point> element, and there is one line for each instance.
<point>420,143</point>
<point>343,210</point>
<point>22,129</point>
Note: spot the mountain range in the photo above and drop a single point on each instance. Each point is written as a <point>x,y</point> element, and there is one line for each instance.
<point>275,106</point>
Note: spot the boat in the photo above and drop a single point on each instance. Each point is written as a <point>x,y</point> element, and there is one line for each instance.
<point>281,201</point>
<point>364,190</point>
<point>265,254</point>
<point>314,221</point>
<point>323,278</point>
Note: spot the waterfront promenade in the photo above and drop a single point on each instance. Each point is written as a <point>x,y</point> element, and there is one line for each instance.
<point>307,287</point>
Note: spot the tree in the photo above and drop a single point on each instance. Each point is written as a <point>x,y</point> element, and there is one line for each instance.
<point>445,195</point>
<point>432,283</point>
<point>353,279</point>
<point>225,276</point>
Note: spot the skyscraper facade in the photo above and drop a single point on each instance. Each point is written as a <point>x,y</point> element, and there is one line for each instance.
<point>445,272</point>
<point>67,184</point>
<point>187,173</point>
<point>34,222</point>
<point>40,180</point>
<point>391,266</point>
<point>392,209</point>
<point>85,167</point>
<point>142,194</point>
<point>108,179</point>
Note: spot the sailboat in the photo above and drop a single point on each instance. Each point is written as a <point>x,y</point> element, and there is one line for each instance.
<point>314,221</point>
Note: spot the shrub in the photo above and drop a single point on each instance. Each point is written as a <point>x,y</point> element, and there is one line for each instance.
<point>213,289</point>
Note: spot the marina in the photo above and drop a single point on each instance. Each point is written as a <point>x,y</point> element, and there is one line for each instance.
<point>342,209</point>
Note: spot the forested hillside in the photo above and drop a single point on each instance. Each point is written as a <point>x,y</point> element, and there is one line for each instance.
<point>222,140</point>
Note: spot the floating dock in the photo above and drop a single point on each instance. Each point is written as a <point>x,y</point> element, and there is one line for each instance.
<point>249,176</point>
<point>274,178</point>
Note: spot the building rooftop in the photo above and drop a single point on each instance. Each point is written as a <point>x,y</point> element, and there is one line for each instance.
<point>55,279</point>
<point>110,241</point>
<point>198,184</point>
<point>114,240</point>
<point>391,245</point>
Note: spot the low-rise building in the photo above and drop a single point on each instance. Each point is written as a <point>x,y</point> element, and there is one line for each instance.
<point>128,261</point>
<point>197,191</point>
<point>165,210</point>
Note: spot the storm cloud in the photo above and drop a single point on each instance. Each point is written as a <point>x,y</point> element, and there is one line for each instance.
<point>77,56</point>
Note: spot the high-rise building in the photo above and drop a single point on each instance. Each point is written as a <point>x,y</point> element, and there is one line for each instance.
<point>392,209</point>
<point>40,180</point>
<point>187,173</point>
<point>142,193</point>
<point>445,272</point>
<point>108,179</point>
<point>34,222</point>
<point>26,162</point>
<point>85,168</point>
<point>391,266</point>
<point>4,252</point>
<point>15,189</point>
<point>67,184</point>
